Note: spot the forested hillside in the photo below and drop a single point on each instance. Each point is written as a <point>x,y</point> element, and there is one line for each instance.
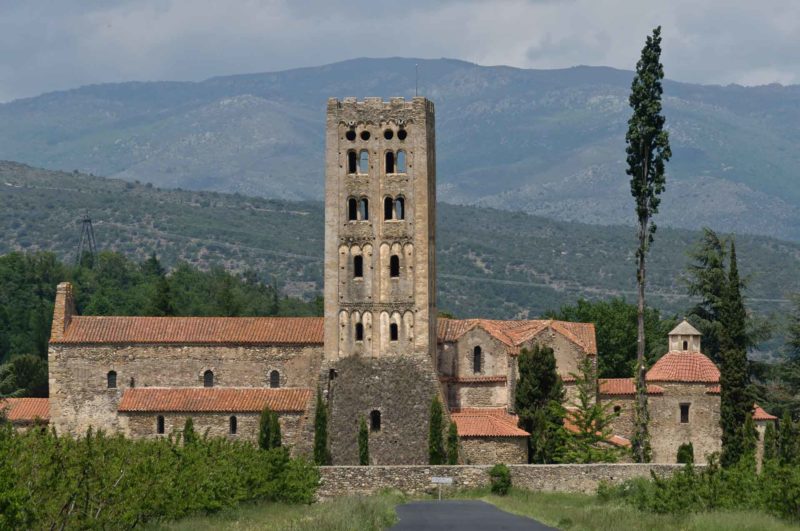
<point>491,263</point>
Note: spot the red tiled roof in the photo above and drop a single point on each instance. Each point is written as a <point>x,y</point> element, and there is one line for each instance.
<point>25,410</point>
<point>473,379</point>
<point>760,414</point>
<point>713,390</point>
<point>195,330</point>
<point>680,366</point>
<point>515,333</point>
<point>213,399</point>
<point>486,422</point>
<point>625,386</point>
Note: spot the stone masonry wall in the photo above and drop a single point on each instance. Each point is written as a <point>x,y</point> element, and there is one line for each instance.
<point>666,430</point>
<point>349,480</point>
<point>491,450</point>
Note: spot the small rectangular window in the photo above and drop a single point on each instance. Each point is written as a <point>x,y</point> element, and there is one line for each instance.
<point>358,266</point>
<point>684,413</point>
<point>160,425</point>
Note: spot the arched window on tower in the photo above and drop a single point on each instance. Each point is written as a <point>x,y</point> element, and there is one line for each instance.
<point>375,420</point>
<point>359,332</point>
<point>274,379</point>
<point>389,162</point>
<point>477,360</point>
<point>352,209</point>
<point>400,208</point>
<point>208,379</point>
<point>363,162</point>
<point>394,266</point>
<point>401,162</point>
<point>393,332</point>
<point>685,345</point>
<point>358,266</point>
<point>388,208</point>
<point>111,380</point>
<point>351,162</point>
<point>363,209</point>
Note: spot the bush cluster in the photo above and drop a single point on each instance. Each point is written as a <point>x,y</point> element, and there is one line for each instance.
<point>110,482</point>
<point>500,477</point>
<point>775,490</point>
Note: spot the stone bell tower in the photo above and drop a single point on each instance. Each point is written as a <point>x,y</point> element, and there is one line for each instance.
<point>380,292</point>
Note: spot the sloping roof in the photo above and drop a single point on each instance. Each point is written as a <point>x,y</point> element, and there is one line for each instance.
<point>24,410</point>
<point>213,399</point>
<point>625,387</point>
<point>685,329</point>
<point>473,379</point>
<point>194,330</point>
<point>685,367</point>
<point>760,414</point>
<point>713,390</point>
<point>486,422</point>
<point>515,333</point>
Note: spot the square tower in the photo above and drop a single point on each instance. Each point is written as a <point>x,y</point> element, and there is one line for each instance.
<point>380,196</point>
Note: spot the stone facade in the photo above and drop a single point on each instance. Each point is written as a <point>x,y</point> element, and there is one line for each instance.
<point>491,450</point>
<point>702,429</point>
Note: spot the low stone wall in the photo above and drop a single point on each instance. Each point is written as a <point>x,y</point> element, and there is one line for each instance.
<point>416,479</point>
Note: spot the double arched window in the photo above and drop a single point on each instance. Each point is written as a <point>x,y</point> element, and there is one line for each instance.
<point>396,162</point>
<point>358,162</point>
<point>357,209</point>
<point>208,379</point>
<point>394,208</point>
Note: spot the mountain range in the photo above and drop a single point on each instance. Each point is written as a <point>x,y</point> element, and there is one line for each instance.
<point>545,142</point>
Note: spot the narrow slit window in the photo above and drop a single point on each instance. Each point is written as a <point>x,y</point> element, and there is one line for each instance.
<point>359,332</point>
<point>160,425</point>
<point>685,345</point>
<point>394,266</point>
<point>388,208</point>
<point>232,425</point>
<point>401,162</point>
<point>352,209</point>
<point>358,266</point>
<point>389,162</point>
<point>375,420</point>
<point>111,380</point>
<point>351,162</point>
<point>400,208</point>
<point>393,332</point>
<point>274,379</point>
<point>684,413</point>
<point>363,209</point>
<point>363,162</point>
<point>208,379</point>
<point>132,382</point>
<point>477,359</point>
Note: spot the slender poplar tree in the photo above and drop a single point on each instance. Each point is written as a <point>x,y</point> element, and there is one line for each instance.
<point>648,150</point>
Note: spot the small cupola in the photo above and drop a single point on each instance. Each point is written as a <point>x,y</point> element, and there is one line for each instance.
<point>684,338</point>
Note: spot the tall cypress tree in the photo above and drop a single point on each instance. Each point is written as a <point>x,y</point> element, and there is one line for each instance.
<point>736,401</point>
<point>787,440</point>
<point>436,455</point>
<point>189,435</point>
<point>538,402</point>
<point>322,455</point>
<point>770,442</point>
<point>648,150</point>
<point>452,444</point>
<point>274,431</point>
<point>363,442</point>
<point>265,429</point>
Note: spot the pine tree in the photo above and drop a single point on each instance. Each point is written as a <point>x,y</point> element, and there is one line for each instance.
<point>538,401</point>
<point>648,150</point>
<point>436,454</point>
<point>452,444</point>
<point>770,442</point>
<point>321,453</point>
<point>708,280</point>
<point>363,442</point>
<point>736,401</point>
<point>265,436</point>
<point>189,435</point>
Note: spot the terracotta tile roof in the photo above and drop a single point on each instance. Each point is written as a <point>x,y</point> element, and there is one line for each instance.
<point>713,390</point>
<point>473,379</point>
<point>195,330</point>
<point>486,422</point>
<point>615,440</point>
<point>24,410</point>
<point>680,366</point>
<point>625,386</point>
<point>760,414</point>
<point>515,333</point>
<point>213,399</point>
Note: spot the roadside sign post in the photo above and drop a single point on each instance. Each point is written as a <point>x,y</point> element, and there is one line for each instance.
<point>439,481</point>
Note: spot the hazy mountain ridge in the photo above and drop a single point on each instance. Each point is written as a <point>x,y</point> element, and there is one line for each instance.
<point>549,142</point>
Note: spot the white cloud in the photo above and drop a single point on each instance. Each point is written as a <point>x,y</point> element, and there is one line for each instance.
<point>56,45</point>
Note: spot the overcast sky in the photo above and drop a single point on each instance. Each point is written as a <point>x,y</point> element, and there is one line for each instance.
<point>56,44</point>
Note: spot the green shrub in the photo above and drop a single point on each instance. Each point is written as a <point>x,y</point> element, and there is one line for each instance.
<point>500,477</point>
<point>686,454</point>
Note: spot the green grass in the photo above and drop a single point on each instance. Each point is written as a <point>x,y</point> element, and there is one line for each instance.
<point>586,512</point>
<point>354,513</point>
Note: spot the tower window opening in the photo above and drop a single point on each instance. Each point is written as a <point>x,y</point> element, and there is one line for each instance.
<point>394,266</point>
<point>400,208</point>
<point>685,345</point>
<point>363,209</point>
<point>352,209</point>
<point>358,266</point>
<point>364,135</point>
<point>401,161</point>
<point>232,425</point>
<point>388,134</point>
<point>388,209</point>
<point>684,413</point>
<point>208,379</point>
<point>477,359</point>
<point>111,380</point>
<point>375,420</point>
<point>393,332</point>
<point>359,332</point>
<point>132,382</point>
<point>160,425</point>
<point>363,162</point>
<point>617,409</point>
<point>274,379</point>
<point>350,135</point>
<point>402,134</point>
<point>389,162</point>
<point>351,162</point>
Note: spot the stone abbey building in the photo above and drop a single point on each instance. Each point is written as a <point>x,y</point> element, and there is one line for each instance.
<point>379,352</point>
